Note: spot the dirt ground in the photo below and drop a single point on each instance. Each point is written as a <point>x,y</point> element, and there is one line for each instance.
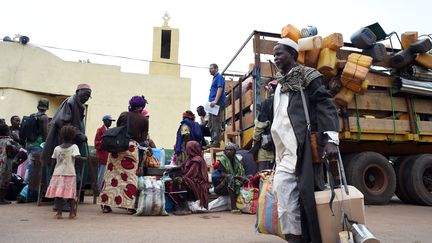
<point>395,222</point>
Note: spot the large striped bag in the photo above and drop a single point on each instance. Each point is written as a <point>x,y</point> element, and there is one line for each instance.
<point>267,212</point>
<point>151,200</point>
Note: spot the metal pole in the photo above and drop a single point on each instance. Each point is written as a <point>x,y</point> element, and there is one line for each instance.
<point>238,52</point>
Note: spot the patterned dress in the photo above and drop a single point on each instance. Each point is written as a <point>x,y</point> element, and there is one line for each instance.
<point>119,187</point>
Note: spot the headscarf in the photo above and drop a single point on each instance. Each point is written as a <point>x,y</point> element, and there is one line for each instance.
<point>299,75</point>
<point>189,114</point>
<point>194,171</point>
<point>231,146</point>
<point>136,101</point>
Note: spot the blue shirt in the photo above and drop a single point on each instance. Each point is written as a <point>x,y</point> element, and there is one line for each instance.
<point>217,82</point>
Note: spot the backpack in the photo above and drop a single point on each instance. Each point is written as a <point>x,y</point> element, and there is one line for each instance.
<point>30,128</point>
<point>115,140</point>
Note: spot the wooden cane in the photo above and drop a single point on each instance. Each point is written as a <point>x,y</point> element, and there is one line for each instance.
<point>92,175</point>
<point>80,187</point>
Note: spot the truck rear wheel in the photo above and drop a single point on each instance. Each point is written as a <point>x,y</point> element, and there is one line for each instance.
<point>418,178</point>
<point>373,175</point>
<point>400,167</point>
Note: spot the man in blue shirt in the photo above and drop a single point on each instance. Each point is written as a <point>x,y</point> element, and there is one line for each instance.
<point>216,97</point>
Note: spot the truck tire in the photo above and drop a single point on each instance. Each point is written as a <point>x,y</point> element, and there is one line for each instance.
<point>401,189</point>
<point>418,178</point>
<point>373,175</point>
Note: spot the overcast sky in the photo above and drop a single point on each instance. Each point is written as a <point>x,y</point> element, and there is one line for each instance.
<point>210,31</point>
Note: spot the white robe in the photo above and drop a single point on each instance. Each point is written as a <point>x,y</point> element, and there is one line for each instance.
<point>285,180</point>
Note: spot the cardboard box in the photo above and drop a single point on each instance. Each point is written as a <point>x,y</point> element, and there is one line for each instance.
<point>330,225</point>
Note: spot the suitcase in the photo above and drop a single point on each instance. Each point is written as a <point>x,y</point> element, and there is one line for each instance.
<point>290,31</point>
<point>333,41</point>
<point>407,38</point>
<point>330,225</point>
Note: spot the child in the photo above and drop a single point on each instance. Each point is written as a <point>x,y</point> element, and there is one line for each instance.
<point>63,181</point>
<point>8,151</point>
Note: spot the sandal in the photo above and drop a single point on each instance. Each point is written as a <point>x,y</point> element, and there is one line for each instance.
<point>130,211</point>
<point>235,211</point>
<point>106,209</point>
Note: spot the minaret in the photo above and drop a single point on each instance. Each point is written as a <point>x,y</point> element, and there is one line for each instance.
<point>165,50</point>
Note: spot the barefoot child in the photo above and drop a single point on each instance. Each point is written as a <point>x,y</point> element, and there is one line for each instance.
<point>63,181</point>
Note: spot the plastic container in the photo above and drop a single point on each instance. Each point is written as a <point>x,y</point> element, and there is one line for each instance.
<point>424,60</point>
<point>407,38</point>
<point>333,41</point>
<point>359,59</point>
<point>327,62</point>
<point>363,38</point>
<point>378,52</point>
<point>421,46</point>
<point>402,59</point>
<point>162,158</point>
<point>308,31</point>
<point>290,31</point>
<point>311,57</point>
<point>156,153</point>
<point>353,73</point>
<point>356,87</point>
<point>344,97</point>
<point>301,57</point>
<point>309,43</point>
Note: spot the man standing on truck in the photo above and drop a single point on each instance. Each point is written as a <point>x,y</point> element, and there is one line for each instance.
<point>294,176</point>
<point>216,97</point>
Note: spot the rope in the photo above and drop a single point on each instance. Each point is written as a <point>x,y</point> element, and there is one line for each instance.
<point>415,117</point>
<point>393,115</point>
<point>358,119</point>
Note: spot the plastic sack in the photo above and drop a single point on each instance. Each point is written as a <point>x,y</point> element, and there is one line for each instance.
<point>267,211</point>
<point>247,200</point>
<point>151,200</point>
<point>195,207</point>
<point>222,203</point>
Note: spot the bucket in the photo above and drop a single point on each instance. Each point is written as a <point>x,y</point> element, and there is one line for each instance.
<point>407,38</point>
<point>333,41</point>
<point>309,43</point>
<point>421,46</point>
<point>378,52</point>
<point>308,31</point>
<point>362,234</point>
<point>363,38</point>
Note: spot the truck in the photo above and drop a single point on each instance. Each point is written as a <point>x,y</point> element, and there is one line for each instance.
<point>385,135</point>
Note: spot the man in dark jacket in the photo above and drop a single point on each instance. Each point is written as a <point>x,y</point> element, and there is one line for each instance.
<point>70,112</point>
<point>294,176</point>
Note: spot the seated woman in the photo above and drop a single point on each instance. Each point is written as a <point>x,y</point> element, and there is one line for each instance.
<point>193,180</point>
<point>232,175</point>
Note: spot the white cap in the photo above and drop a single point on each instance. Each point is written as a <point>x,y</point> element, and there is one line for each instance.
<point>290,43</point>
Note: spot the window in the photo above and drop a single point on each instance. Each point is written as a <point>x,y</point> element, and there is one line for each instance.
<point>166,44</point>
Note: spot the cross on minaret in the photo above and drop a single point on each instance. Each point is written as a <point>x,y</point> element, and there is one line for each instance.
<point>166,18</point>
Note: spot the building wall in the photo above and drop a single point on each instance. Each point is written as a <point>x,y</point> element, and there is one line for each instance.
<point>28,73</point>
